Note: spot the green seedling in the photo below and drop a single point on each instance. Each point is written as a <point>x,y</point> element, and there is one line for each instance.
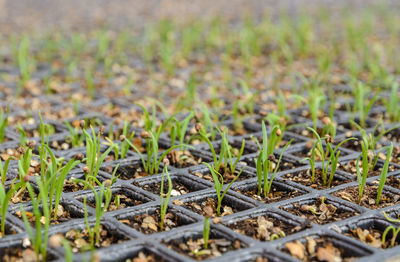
<point>360,107</point>
<point>103,42</point>
<point>102,198</point>
<point>68,254</point>
<point>5,197</point>
<point>362,177</point>
<point>217,160</point>
<point>90,82</point>
<point>127,135</point>
<point>269,144</point>
<point>383,175</point>
<point>25,158</point>
<point>24,64</point>
<point>329,157</point>
<point>218,185</point>
<point>124,147</point>
<point>54,179</point>
<point>164,201</point>
<point>39,238</point>
<point>3,124</point>
<point>179,130</point>
<point>392,104</point>
<point>395,231</point>
<point>94,158</point>
<point>316,98</point>
<point>22,135</point>
<point>151,162</point>
<point>74,137</point>
<point>206,232</point>
<point>227,156</point>
<point>189,97</point>
<point>4,169</point>
<point>371,141</point>
<point>207,121</point>
<point>264,164</point>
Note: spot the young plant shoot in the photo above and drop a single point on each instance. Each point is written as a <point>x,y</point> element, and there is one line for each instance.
<point>218,185</point>
<point>164,201</point>
<point>329,157</point>
<point>3,124</point>
<point>39,237</point>
<point>102,197</point>
<point>94,158</point>
<point>395,231</point>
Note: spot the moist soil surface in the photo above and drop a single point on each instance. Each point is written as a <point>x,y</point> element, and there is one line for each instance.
<point>369,197</point>
<point>63,215</point>
<point>144,256</point>
<point>227,176</point>
<point>208,207</point>
<point>277,193</point>
<point>320,211</point>
<point>124,202</point>
<point>194,247</point>
<point>150,223</point>
<point>178,188</point>
<point>80,241</point>
<point>350,168</point>
<point>264,228</point>
<point>304,178</point>
<point>370,236</point>
<point>183,159</point>
<point>318,249</point>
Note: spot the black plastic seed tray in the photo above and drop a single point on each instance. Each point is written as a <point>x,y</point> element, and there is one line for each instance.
<point>192,186</point>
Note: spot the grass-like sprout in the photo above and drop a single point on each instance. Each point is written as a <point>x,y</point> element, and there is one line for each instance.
<point>217,160</point>
<point>90,82</point>
<point>22,135</point>
<point>152,161</point>
<point>23,64</point>
<point>237,117</point>
<point>371,141</point>
<point>123,149</point>
<point>164,201</point>
<point>24,160</point>
<point>206,232</point>
<point>3,124</point>
<point>54,179</point>
<point>94,158</point>
<point>38,239</point>
<point>360,107</point>
<point>4,169</point>
<point>329,157</point>
<point>316,97</point>
<point>207,122</point>
<point>75,138</point>
<point>127,135</point>
<point>383,176</point>
<point>264,164</point>
<point>227,155</point>
<point>5,197</point>
<point>393,104</point>
<point>187,101</point>
<point>395,231</point>
<point>362,177</point>
<point>179,130</point>
<point>68,254</point>
<point>269,144</point>
<point>102,198</point>
<point>218,185</point>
